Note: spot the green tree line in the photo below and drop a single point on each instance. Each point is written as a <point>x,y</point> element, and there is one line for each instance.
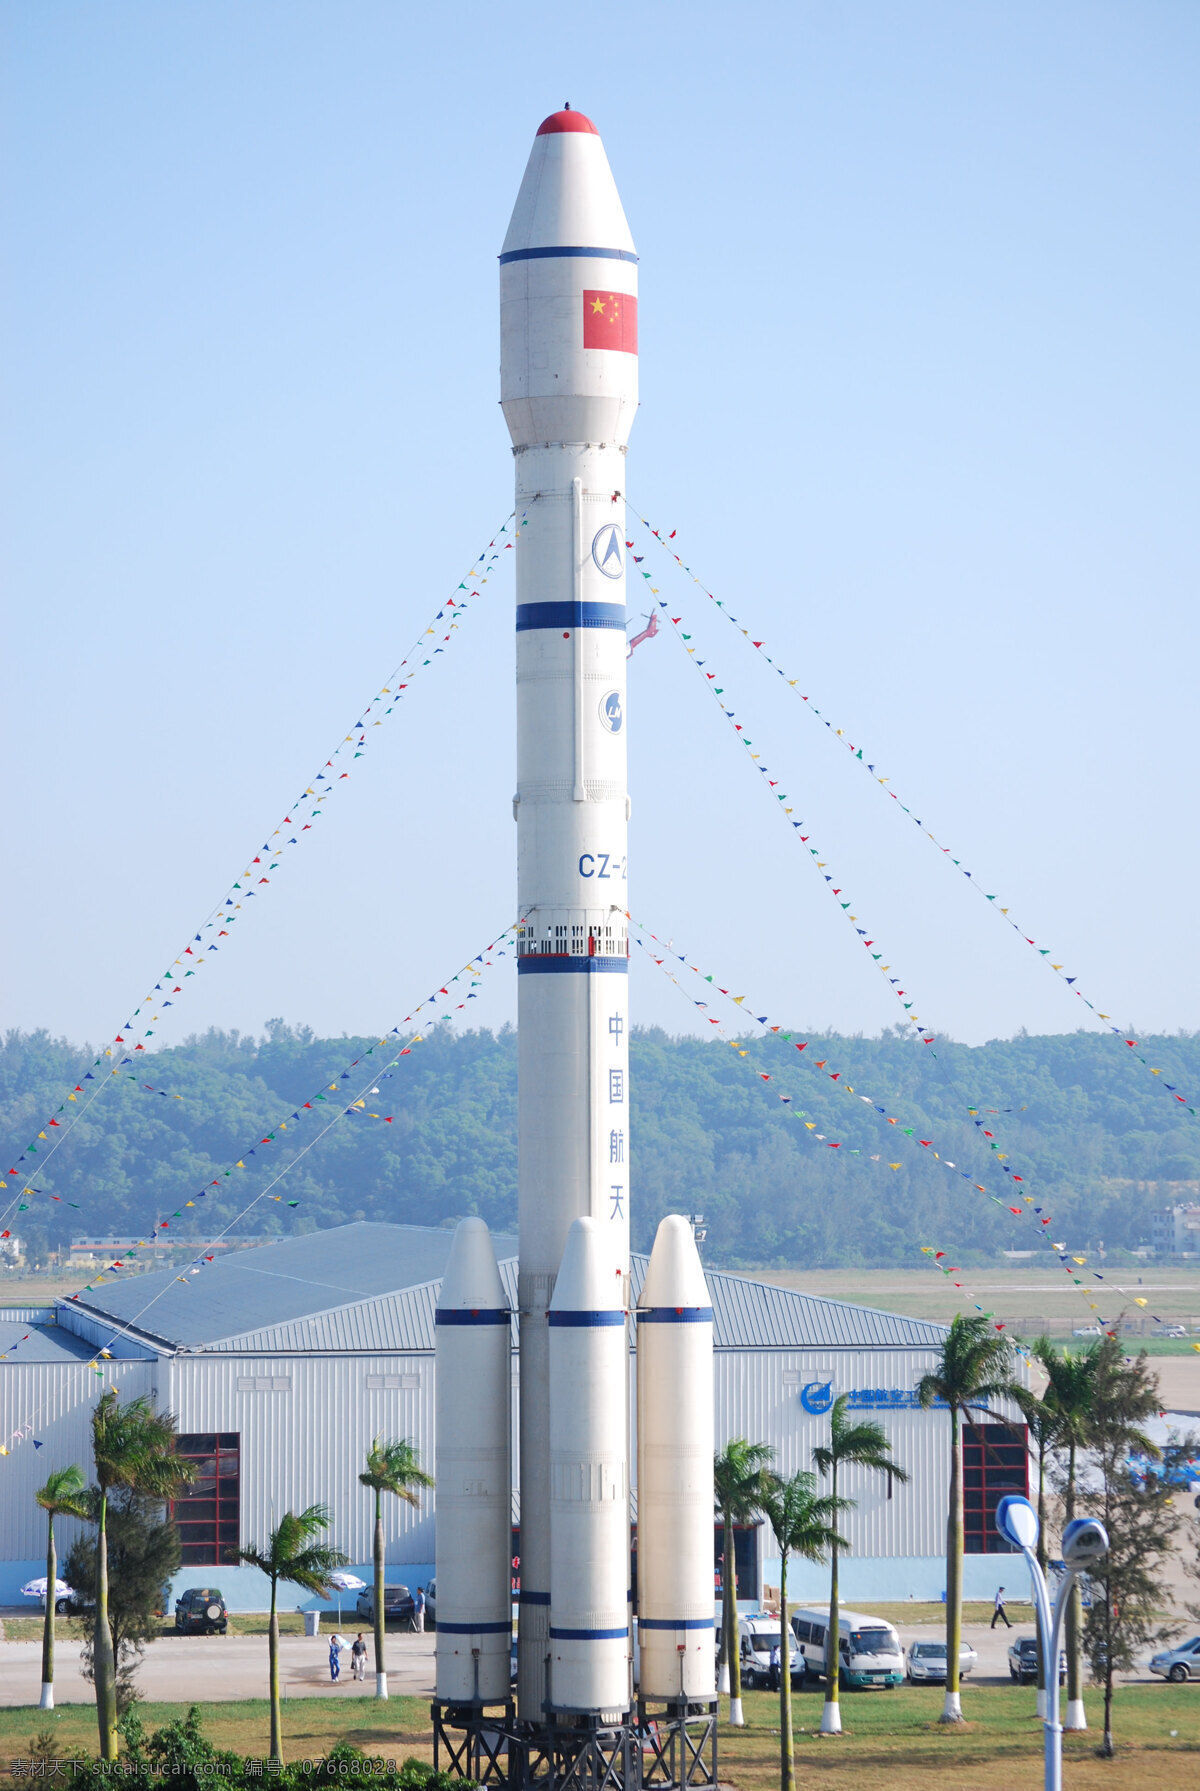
<point>707,1134</point>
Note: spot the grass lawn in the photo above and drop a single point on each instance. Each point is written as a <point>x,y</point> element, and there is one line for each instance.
<point>310,1727</point>
<point>892,1740</point>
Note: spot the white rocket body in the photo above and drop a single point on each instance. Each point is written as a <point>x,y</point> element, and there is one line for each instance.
<point>473,1469</point>
<point>589,1480</point>
<point>675,1470</point>
<point>568,283</point>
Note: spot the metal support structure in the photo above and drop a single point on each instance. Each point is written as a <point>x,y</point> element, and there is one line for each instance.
<point>671,1747</point>
<point>679,1744</point>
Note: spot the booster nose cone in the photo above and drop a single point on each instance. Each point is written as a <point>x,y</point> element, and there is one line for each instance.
<point>472,1281</point>
<point>674,1276</point>
<point>588,1280</point>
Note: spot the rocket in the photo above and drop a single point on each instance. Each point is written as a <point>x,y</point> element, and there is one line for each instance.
<point>568,311</point>
<point>568,380</point>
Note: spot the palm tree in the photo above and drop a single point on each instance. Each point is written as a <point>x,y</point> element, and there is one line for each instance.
<point>738,1471</point>
<point>1044,1426</point>
<point>803,1525</point>
<point>863,1445</point>
<point>294,1556</point>
<point>64,1495</point>
<point>393,1467</point>
<point>976,1365</point>
<point>1068,1395</point>
<point>132,1446</point>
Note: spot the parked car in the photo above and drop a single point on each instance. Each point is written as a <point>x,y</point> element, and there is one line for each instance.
<point>926,1663</point>
<point>398,1604</point>
<point>757,1635</point>
<point>201,1611</point>
<point>1178,1664</point>
<point>1023,1661</point>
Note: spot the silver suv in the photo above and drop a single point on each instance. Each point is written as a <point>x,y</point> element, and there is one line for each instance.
<point>1178,1664</point>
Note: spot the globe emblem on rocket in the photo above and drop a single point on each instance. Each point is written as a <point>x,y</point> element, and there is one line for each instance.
<point>817,1397</point>
<point>612,714</point>
<point>606,551</point>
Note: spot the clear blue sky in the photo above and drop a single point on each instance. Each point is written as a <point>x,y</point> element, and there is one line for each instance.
<point>919,393</point>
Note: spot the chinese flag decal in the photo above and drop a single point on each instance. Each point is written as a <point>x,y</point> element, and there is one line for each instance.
<point>610,321</point>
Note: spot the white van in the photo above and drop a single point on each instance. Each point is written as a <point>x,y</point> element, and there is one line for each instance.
<point>869,1649</point>
<point>757,1636</point>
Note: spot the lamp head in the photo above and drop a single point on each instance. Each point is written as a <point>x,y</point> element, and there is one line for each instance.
<point>1085,1540</point>
<point>1017,1521</point>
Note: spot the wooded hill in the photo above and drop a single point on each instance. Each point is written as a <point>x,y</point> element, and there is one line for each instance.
<point>1097,1138</point>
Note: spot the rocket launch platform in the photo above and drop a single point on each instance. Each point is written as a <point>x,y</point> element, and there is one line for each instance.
<point>605,1696</point>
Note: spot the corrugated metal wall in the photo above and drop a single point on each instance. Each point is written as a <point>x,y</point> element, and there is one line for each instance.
<point>304,1442</point>
<point>58,1399</point>
<point>758,1397</point>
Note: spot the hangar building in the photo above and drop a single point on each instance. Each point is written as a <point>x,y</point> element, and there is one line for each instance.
<point>281,1363</point>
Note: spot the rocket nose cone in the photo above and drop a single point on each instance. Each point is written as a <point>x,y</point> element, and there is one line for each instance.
<point>566,120</point>
<point>471,1282</point>
<point>568,197</point>
<point>674,1276</point>
<point>589,1277</point>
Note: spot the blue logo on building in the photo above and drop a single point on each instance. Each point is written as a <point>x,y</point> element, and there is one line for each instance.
<point>817,1397</point>
<point>612,715</point>
<point>606,551</point>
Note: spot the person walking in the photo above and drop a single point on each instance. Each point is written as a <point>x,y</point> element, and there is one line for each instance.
<point>999,1611</point>
<point>775,1667</point>
<point>419,1611</point>
<point>358,1657</point>
<point>336,1645</point>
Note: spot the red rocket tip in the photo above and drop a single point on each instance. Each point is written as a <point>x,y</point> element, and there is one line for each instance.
<point>566,121</point>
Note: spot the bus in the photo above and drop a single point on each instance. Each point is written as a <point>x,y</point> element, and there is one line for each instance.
<point>869,1649</point>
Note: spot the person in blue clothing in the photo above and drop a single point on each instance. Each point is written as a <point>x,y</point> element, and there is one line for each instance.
<point>419,1611</point>
<point>335,1661</point>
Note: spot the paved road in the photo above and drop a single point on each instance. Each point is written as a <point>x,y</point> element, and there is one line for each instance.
<point>220,1669</point>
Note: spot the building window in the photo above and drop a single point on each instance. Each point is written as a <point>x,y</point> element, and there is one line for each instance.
<point>995,1462</point>
<point>206,1512</point>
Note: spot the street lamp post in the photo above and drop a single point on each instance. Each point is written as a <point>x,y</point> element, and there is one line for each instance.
<point>1084,1542</point>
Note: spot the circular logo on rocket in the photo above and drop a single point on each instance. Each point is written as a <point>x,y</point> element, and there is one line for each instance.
<point>817,1397</point>
<point>612,712</point>
<point>606,551</point>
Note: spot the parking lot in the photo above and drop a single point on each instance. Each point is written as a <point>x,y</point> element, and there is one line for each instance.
<point>217,1669</point>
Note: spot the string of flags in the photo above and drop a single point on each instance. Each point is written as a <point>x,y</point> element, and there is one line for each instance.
<point>21,1203</point>
<point>328,1095</point>
<point>836,1076</point>
<point>864,935</point>
<point>260,872</point>
<point>937,1261</point>
<point>473,970</point>
<point>1029,1205</point>
<point>1044,952</point>
<point>1075,1266</point>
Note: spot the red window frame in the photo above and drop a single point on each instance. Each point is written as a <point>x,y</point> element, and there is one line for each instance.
<point>207,1512</point>
<point>995,1463</point>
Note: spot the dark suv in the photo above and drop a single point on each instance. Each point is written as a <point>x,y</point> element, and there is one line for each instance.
<point>399,1605</point>
<point>201,1612</point>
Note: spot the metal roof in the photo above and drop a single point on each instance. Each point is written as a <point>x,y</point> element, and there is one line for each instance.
<point>374,1288</point>
<point>276,1285</point>
<point>40,1343</point>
